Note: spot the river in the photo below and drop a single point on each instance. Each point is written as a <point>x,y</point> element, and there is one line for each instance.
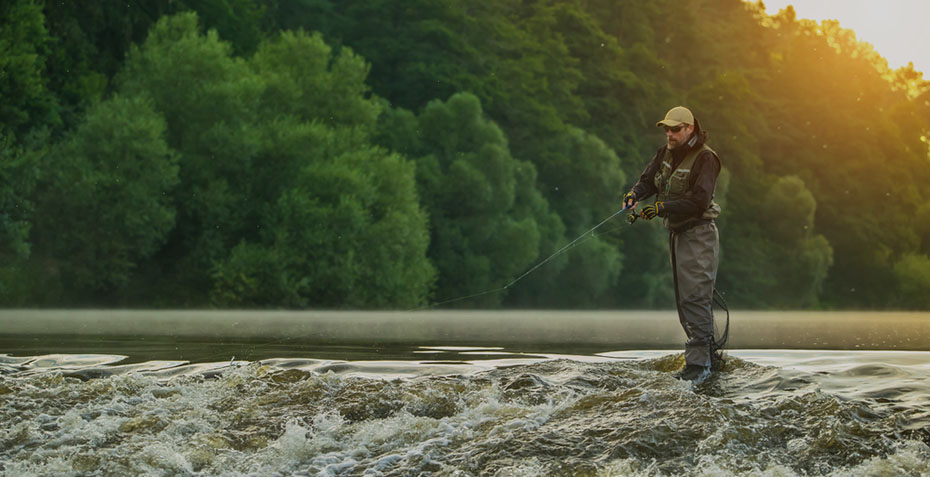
<point>527,393</point>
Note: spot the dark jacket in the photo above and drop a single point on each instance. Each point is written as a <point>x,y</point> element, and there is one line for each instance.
<point>702,180</point>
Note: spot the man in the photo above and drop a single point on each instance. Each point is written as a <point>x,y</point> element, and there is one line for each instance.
<point>683,175</point>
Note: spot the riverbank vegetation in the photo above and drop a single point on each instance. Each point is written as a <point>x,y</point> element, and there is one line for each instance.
<point>391,154</point>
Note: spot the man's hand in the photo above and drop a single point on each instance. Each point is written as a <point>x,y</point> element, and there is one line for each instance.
<point>651,211</point>
<point>629,200</point>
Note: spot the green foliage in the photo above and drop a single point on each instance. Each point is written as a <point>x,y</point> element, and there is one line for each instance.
<point>347,232</point>
<point>208,100</point>
<point>408,151</point>
<point>277,174</point>
<point>25,103</point>
<point>345,222</point>
<point>211,178</point>
<point>416,48</point>
<point>470,184</point>
<point>28,110</point>
<point>922,227</point>
<point>18,173</point>
<point>789,210</point>
<point>105,201</point>
<point>305,79</point>
<point>89,42</point>
<point>239,22</point>
<point>912,272</point>
<point>581,177</point>
<point>253,276</point>
<point>794,259</point>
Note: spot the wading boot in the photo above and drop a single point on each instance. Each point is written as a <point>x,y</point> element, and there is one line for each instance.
<point>694,373</point>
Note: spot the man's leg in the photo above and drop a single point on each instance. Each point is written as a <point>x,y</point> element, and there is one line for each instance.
<point>695,257</point>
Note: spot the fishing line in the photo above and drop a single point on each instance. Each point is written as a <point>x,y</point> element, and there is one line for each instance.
<point>558,252</point>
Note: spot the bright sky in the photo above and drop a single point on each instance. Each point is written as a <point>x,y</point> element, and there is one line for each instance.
<point>898,29</point>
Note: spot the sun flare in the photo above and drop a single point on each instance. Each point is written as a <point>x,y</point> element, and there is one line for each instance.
<point>897,29</point>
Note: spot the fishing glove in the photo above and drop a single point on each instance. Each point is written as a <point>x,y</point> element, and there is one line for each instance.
<point>651,211</point>
<point>629,199</point>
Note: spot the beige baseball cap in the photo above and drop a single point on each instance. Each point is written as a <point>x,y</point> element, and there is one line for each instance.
<point>676,116</point>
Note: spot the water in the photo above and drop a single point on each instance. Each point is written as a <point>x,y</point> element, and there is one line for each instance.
<point>302,398</point>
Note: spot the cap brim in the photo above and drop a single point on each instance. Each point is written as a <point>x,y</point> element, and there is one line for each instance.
<point>668,122</point>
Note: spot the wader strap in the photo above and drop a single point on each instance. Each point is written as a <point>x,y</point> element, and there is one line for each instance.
<point>681,317</point>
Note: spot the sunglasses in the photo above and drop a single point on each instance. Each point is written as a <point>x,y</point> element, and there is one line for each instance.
<point>674,129</point>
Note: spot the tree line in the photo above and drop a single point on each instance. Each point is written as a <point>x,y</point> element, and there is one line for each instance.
<point>393,154</point>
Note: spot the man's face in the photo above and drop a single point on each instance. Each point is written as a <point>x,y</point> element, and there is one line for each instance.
<point>678,135</point>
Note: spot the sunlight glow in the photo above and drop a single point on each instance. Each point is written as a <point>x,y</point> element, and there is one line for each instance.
<point>898,29</point>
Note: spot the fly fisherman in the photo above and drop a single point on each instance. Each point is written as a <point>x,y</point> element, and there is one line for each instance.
<point>682,176</point>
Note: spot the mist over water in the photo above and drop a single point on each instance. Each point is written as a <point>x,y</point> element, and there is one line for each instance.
<point>440,407</point>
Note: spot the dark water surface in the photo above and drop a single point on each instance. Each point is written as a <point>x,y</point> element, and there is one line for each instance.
<point>99,393</point>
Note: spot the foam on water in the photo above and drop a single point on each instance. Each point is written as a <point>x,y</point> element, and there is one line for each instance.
<point>550,417</point>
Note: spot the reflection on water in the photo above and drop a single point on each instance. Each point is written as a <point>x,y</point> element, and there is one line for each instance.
<point>109,404</point>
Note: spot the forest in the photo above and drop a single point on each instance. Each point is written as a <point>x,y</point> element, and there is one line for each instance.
<point>394,154</point>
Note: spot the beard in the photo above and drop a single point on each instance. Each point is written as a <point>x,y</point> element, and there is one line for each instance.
<point>676,142</point>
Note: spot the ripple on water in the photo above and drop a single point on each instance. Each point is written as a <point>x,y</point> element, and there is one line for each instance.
<point>551,417</point>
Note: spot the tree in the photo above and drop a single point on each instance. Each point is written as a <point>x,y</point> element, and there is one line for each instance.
<point>28,111</point>
<point>581,177</point>
<point>282,201</point>
<point>25,102</point>
<point>209,101</point>
<point>105,197</point>
<point>785,263</point>
<point>487,221</point>
<point>912,272</point>
<point>573,88</point>
<point>340,220</point>
<point>239,22</point>
<point>304,78</point>
<point>346,232</point>
<point>922,226</point>
<point>18,175</point>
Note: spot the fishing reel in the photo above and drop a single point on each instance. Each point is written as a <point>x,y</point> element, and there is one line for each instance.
<point>632,217</point>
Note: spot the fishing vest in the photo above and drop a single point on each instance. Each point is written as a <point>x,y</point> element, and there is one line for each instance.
<point>673,185</point>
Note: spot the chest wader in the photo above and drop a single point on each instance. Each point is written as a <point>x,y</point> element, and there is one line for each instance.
<point>694,249</point>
